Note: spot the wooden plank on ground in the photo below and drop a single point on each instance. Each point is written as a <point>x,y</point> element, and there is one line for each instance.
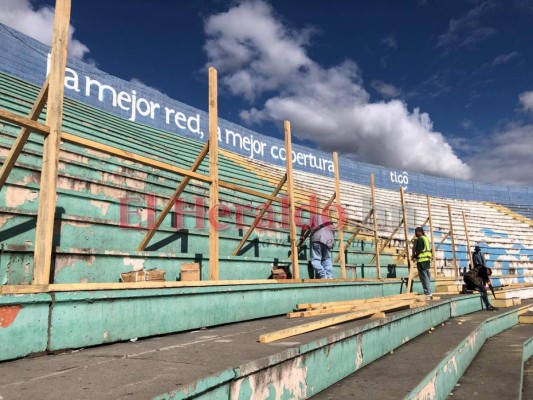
<point>304,306</point>
<point>315,325</point>
<point>505,303</point>
<point>343,308</point>
<point>526,318</point>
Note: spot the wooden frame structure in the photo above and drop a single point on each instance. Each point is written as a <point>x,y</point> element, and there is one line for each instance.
<point>52,95</point>
<point>468,248</point>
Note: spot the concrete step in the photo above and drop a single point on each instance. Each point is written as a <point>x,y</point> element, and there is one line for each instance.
<point>226,359</point>
<point>527,388</point>
<point>429,365</point>
<point>497,371</point>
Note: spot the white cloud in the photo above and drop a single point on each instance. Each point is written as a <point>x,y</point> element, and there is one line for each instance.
<point>390,41</point>
<point>37,23</point>
<point>258,57</point>
<point>140,83</point>
<point>526,99</point>
<point>387,90</point>
<point>505,157</point>
<point>466,31</point>
<point>504,58</point>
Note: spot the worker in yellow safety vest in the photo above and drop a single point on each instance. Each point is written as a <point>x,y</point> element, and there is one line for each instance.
<point>422,257</point>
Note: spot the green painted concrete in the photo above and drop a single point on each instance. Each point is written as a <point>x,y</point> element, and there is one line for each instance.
<point>298,373</point>
<point>28,333</point>
<point>79,319</point>
<point>88,209</point>
<point>441,381</point>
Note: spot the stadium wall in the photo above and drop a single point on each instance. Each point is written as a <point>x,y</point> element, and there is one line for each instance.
<point>26,58</point>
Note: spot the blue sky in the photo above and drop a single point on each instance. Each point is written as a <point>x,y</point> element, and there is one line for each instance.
<point>442,87</point>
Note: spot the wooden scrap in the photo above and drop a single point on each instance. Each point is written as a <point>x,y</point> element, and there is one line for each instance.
<point>315,325</point>
<point>504,303</point>
<point>343,308</point>
<point>526,318</point>
<point>309,306</point>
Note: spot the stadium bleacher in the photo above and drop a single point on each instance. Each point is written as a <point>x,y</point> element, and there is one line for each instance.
<point>105,205</point>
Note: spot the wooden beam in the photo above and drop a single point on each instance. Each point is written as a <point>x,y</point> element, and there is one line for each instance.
<point>343,308</point>
<point>213,174</point>
<point>442,240</point>
<point>90,144</point>
<point>44,231</point>
<point>356,232</point>
<point>170,203</point>
<point>331,199</point>
<point>237,188</point>
<point>75,287</point>
<point>339,207</point>
<point>23,134</point>
<point>292,205</point>
<point>469,249</point>
<point>259,216</point>
<point>388,240</point>
<point>315,325</point>
<point>454,256</point>
<point>406,236</point>
<point>24,122</point>
<point>375,226</point>
<point>355,301</point>
<point>433,251</point>
<point>375,222</point>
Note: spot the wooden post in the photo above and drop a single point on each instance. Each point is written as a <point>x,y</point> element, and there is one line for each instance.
<point>330,201</point>
<point>339,207</point>
<point>456,267</point>
<point>469,250</point>
<point>375,220</point>
<point>406,236</point>
<point>359,228</point>
<point>292,208</point>
<point>44,232</point>
<point>24,134</point>
<point>388,240</point>
<point>433,251</point>
<point>213,173</point>
<point>259,216</point>
<point>170,203</point>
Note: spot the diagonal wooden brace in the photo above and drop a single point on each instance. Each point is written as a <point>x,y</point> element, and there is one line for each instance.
<point>177,193</point>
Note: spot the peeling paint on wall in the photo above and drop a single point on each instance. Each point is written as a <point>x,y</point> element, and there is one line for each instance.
<point>359,357</point>
<point>69,261</point>
<point>428,392</point>
<point>286,380</point>
<point>4,218</point>
<point>8,314</point>
<point>101,205</point>
<point>16,196</point>
<point>136,263</point>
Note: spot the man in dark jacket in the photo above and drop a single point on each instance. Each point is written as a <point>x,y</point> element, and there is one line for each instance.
<point>477,279</point>
<point>478,258</point>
